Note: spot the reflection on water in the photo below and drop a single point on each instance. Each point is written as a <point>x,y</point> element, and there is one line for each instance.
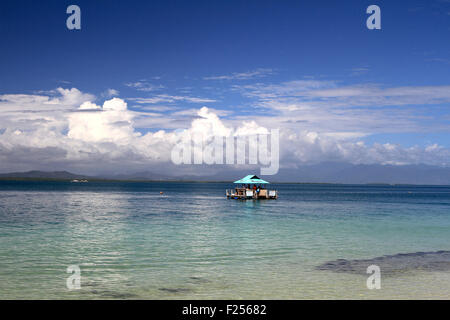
<point>191,242</point>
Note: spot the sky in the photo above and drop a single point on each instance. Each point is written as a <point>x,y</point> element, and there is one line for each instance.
<point>116,95</point>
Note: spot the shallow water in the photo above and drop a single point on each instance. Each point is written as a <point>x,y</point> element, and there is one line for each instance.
<point>130,242</point>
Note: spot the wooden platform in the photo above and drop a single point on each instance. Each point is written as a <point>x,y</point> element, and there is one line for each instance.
<point>250,194</point>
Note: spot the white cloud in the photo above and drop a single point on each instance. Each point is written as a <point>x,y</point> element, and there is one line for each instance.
<point>89,106</point>
<point>327,106</point>
<point>357,95</point>
<point>359,71</point>
<point>170,98</point>
<point>71,97</point>
<point>143,85</point>
<point>60,99</point>
<point>111,93</point>
<point>258,73</point>
<point>313,147</point>
<point>77,133</point>
<point>112,123</point>
<point>190,113</point>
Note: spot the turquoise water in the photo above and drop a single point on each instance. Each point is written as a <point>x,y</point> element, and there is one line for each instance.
<point>193,243</point>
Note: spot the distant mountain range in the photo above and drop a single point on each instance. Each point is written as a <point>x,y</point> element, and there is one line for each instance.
<point>345,173</point>
<point>143,175</point>
<point>319,173</point>
<point>35,174</point>
<point>65,175</point>
<point>364,174</point>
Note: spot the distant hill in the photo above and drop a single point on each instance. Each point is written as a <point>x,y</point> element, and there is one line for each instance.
<point>334,172</point>
<point>65,175</point>
<point>34,174</point>
<point>329,172</point>
<point>364,174</point>
<point>144,175</point>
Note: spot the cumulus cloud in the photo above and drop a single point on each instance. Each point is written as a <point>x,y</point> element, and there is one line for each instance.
<point>89,106</point>
<point>112,123</point>
<point>66,129</point>
<point>313,147</point>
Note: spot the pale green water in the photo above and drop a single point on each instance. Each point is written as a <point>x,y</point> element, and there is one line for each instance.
<point>131,242</point>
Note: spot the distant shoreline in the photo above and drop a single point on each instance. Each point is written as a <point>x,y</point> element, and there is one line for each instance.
<point>44,179</point>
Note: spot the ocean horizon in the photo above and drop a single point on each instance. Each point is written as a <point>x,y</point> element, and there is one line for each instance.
<point>315,241</point>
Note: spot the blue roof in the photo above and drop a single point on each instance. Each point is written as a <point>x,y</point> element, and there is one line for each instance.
<point>251,179</point>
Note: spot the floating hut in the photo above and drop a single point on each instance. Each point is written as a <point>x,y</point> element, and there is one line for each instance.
<point>251,187</point>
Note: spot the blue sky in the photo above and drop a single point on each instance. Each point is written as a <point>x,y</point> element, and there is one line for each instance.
<point>305,65</point>
<point>128,40</point>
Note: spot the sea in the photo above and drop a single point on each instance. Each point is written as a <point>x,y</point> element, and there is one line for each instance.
<point>173,240</point>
